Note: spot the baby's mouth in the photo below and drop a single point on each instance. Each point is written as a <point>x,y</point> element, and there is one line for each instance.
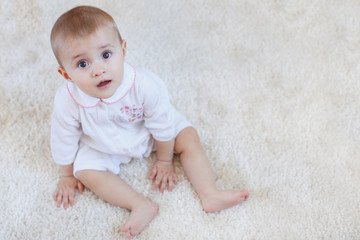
<point>103,83</point>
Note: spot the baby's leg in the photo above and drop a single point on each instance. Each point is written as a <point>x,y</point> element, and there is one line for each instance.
<point>114,190</point>
<point>197,168</point>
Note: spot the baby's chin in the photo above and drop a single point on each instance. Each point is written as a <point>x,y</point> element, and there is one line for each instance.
<point>105,96</point>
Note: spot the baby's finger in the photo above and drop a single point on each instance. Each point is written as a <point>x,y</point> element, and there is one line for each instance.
<point>65,200</point>
<point>163,184</point>
<point>153,173</point>
<point>55,195</point>
<point>171,183</point>
<point>175,179</point>
<point>71,198</point>
<point>59,199</point>
<point>80,187</point>
<point>157,182</point>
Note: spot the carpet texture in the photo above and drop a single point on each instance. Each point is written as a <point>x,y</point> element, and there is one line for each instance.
<point>272,87</point>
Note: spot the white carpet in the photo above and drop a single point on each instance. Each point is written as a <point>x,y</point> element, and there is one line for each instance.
<point>272,86</point>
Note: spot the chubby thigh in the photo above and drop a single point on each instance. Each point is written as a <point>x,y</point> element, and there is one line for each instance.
<point>88,158</point>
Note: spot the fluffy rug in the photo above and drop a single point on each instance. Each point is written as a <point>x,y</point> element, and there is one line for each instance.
<point>272,86</point>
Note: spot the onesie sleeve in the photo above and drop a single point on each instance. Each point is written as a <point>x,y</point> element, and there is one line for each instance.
<point>158,111</point>
<point>65,128</point>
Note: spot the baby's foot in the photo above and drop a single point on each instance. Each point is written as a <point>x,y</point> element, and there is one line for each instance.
<point>223,199</point>
<point>139,218</point>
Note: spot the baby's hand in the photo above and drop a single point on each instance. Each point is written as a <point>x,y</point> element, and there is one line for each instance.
<point>65,191</point>
<point>163,175</point>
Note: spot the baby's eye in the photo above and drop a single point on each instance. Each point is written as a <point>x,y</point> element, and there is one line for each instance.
<point>82,64</point>
<point>106,55</point>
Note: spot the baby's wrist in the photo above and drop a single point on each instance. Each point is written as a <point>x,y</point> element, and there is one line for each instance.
<point>165,160</point>
<point>66,176</point>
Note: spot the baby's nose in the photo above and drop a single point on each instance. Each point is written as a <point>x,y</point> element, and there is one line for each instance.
<point>98,69</point>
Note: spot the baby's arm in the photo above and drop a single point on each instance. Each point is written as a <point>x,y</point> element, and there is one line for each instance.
<point>65,190</point>
<point>65,134</point>
<point>162,172</point>
<point>159,120</point>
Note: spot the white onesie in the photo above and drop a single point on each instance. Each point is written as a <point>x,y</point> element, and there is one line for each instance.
<point>100,134</point>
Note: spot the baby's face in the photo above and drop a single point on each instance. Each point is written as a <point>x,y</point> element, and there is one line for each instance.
<point>94,63</point>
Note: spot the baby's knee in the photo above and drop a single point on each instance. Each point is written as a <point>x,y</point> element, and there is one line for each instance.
<point>187,139</point>
<point>84,175</point>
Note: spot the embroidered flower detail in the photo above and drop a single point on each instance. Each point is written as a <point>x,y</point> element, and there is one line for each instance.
<point>133,113</point>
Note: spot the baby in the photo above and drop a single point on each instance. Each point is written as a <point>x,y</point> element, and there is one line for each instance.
<point>109,112</point>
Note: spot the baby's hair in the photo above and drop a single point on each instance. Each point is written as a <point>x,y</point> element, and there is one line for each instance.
<point>79,22</point>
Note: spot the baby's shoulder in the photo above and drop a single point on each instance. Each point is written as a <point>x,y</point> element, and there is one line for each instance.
<point>63,100</point>
<point>147,79</point>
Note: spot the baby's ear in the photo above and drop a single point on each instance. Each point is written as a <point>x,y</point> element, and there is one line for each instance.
<point>63,73</point>
<point>123,47</point>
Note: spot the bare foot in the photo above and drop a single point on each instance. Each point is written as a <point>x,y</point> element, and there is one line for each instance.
<point>139,218</point>
<point>223,199</point>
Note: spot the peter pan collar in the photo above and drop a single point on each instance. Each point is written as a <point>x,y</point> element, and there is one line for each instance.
<point>86,101</point>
